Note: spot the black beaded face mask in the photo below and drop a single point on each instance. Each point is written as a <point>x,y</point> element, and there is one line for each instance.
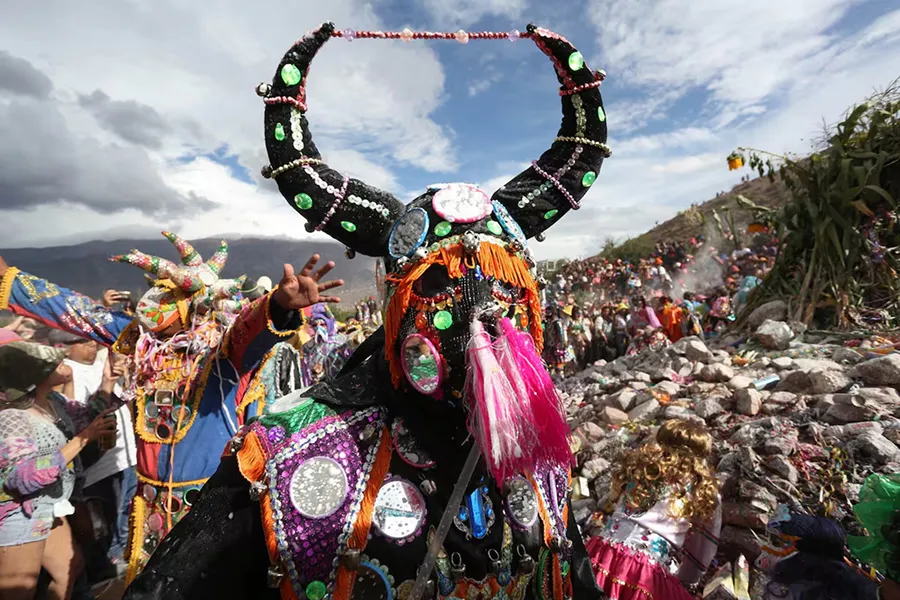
<point>454,254</point>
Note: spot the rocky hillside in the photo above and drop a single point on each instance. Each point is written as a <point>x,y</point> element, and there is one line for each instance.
<point>793,416</point>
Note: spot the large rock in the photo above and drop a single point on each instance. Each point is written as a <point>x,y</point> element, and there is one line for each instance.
<point>622,400</point>
<point>742,540</point>
<point>884,395</point>
<point>593,432</point>
<point>781,444</point>
<point>877,447</point>
<point>884,370</point>
<point>770,311</point>
<point>783,362</point>
<point>717,373</point>
<point>846,355</point>
<point>774,335</point>
<point>669,387</point>
<point>613,416</point>
<point>739,382</point>
<point>594,468</point>
<point>697,351</point>
<point>842,413</point>
<point>784,467</point>
<point>796,382</point>
<point>742,514</point>
<point>708,407</point>
<point>678,412</point>
<point>748,401</point>
<point>826,381</point>
<point>647,410</point>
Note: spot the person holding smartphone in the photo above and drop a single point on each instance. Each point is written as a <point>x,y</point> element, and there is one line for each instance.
<point>42,434</point>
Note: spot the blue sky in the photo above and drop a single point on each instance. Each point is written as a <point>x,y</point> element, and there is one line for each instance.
<point>150,120</point>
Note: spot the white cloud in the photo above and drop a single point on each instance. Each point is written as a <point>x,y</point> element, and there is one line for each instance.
<point>462,13</point>
<point>741,53</point>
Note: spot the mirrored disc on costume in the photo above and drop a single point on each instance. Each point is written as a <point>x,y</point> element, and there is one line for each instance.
<point>171,503</point>
<point>461,203</point>
<point>163,397</point>
<point>372,583</point>
<point>408,449</point>
<point>151,410</point>
<point>522,502</point>
<point>190,496</point>
<point>399,510</point>
<point>181,412</point>
<point>148,492</point>
<point>163,431</point>
<point>422,363</point>
<point>318,487</point>
<point>507,222</point>
<point>408,233</point>
<point>155,522</point>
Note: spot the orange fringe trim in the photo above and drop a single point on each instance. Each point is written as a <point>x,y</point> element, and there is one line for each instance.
<point>548,535</point>
<point>6,284</point>
<point>343,585</point>
<point>252,465</point>
<point>495,260</point>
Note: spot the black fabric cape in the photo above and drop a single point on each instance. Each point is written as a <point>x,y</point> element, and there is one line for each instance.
<point>218,549</point>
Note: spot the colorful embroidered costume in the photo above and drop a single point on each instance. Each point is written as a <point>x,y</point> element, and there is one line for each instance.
<point>184,387</point>
<point>337,492</point>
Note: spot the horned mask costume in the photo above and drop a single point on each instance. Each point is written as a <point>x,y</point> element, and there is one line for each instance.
<point>180,290</point>
<point>361,487</point>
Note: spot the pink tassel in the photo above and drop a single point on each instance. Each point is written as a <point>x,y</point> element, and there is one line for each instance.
<point>518,355</point>
<point>496,420</point>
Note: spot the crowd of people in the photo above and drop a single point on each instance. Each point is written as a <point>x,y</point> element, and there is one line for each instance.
<point>601,308</point>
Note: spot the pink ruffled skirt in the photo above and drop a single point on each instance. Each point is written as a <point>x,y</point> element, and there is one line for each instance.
<point>624,574</point>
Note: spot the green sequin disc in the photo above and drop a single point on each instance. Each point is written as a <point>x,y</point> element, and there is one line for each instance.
<point>589,178</point>
<point>600,114</point>
<point>576,61</point>
<point>550,214</point>
<point>494,227</point>
<point>290,74</point>
<point>279,132</point>
<point>316,590</point>
<point>351,227</point>
<point>442,229</point>
<point>443,320</point>
<point>303,201</point>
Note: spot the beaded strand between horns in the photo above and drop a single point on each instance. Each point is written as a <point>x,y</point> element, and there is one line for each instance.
<point>408,35</point>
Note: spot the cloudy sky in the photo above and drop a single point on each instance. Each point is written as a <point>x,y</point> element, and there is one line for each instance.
<point>121,117</point>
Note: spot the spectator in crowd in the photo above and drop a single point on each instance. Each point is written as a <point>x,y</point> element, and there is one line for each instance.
<point>41,435</point>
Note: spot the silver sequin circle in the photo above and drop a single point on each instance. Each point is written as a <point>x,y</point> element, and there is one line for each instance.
<point>461,203</point>
<point>522,502</point>
<point>399,510</point>
<point>318,487</point>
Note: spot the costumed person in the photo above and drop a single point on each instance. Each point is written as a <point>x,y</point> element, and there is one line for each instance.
<point>672,319</point>
<point>663,531</point>
<point>187,369</point>
<point>806,559</point>
<point>42,434</point>
<point>327,350</point>
<point>437,465</point>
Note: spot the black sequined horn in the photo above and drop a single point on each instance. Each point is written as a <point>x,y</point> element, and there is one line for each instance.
<point>539,196</point>
<point>348,210</point>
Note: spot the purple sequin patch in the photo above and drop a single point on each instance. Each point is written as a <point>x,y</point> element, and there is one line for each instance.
<point>310,547</point>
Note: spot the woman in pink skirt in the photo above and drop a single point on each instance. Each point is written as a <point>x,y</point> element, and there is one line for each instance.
<point>664,529</point>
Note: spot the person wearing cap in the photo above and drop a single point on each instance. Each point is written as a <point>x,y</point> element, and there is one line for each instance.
<point>111,478</point>
<point>41,435</point>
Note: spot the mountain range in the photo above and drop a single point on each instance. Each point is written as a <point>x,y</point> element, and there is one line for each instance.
<point>86,267</point>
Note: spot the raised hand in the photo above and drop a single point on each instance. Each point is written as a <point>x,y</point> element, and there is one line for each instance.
<point>299,291</point>
<point>110,297</point>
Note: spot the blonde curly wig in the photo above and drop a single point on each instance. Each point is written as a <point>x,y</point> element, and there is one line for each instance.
<point>677,463</point>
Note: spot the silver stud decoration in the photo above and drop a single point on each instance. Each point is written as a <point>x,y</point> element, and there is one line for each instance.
<point>263,89</point>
